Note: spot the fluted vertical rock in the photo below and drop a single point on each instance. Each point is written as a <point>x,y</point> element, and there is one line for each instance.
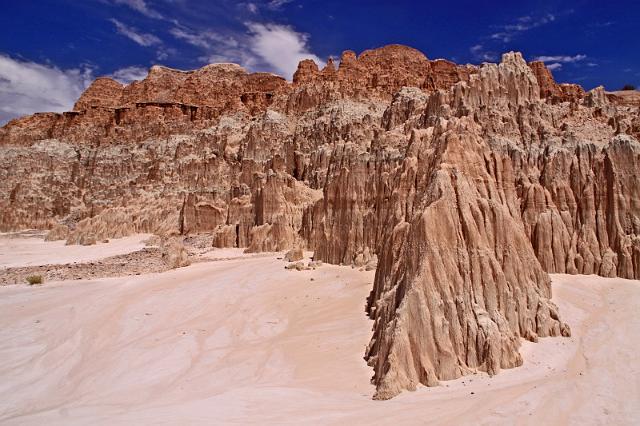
<point>463,257</point>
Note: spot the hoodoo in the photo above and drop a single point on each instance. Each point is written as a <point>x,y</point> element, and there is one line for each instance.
<point>467,184</point>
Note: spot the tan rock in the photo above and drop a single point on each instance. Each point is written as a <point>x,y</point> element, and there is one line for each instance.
<point>226,236</point>
<point>174,253</point>
<point>298,266</point>
<point>294,255</point>
<point>314,264</point>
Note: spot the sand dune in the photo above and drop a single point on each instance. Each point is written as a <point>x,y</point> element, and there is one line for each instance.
<point>243,341</point>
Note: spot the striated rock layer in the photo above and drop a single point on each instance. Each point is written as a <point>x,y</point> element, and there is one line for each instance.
<point>466,184</point>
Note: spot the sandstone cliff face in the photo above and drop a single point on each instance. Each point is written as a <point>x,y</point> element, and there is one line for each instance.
<point>468,185</point>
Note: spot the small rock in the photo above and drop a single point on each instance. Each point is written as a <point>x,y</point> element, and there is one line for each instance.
<point>298,266</point>
<point>294,255</point>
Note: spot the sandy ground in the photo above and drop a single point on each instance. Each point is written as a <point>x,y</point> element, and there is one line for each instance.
<point>30,251</point>
<point>243,341</point>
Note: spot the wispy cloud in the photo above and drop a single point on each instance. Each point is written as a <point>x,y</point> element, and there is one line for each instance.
<point>252,7</point>
<point>602,24</point>
<point>561,58</point>
<point>204,39</point>
<point>28,87</point>
<point>480,53</point>
<point>555,62</point>
<point>488,46</point>
<point>522,24</point>
<point>165,52</point>
<point>142,7</point>
<point>255,7</point>
<point>277,4</point>
<point>143,39</point>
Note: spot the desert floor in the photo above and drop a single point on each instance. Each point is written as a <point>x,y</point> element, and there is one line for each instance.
<point>241,340</point>
<point>16,250</point>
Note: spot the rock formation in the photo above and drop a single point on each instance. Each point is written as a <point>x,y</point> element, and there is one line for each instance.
<point>466,185</point>
<point>174,253</point>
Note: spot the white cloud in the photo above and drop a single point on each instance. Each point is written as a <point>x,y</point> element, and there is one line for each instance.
<point>217,47</point>
<point>141,6</point>
<point>28,87</point>
<point>561,58</point>
<point>143,39</point>
<point>128,74</point>
<point>554,66</point>
<point>264,47</point>
<point>280,46</point>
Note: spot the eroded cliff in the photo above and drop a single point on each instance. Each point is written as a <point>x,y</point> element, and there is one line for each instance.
<point>466,184</point>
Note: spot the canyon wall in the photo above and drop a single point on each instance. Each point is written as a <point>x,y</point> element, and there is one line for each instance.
<point>466,184</point>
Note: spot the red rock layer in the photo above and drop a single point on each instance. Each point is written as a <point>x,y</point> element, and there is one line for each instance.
<point>552,90</point>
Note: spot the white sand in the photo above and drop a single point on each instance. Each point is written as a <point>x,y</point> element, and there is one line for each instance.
<point>34,251</point>
<point>246,342</point>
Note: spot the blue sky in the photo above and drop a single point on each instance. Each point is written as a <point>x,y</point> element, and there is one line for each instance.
<point>51,49</point>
